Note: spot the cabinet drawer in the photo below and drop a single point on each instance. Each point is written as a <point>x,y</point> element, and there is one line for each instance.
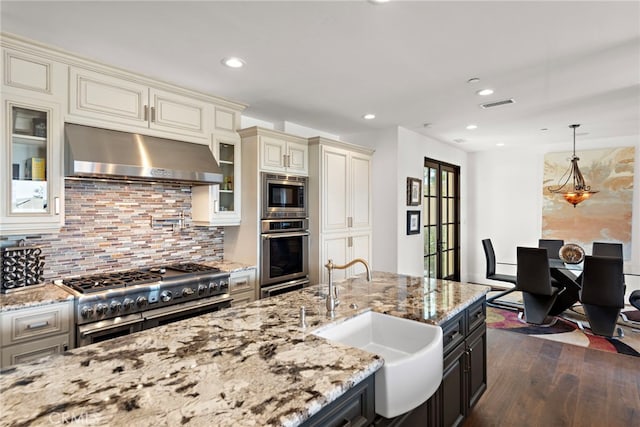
<point>242,281</point>
<point>355,408</point>
<point>453,333</point>
<point>242,298</point>
<point>27,324</point>
<point>477,315</point>
<point>26,352</point>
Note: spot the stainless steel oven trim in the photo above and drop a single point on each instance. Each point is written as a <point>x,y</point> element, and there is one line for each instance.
<point>300,181</point>
<point>265,258</point>
<point>264,225</point>
<point>179,308</point>
<point>105,325</point>
<point>265,291</point>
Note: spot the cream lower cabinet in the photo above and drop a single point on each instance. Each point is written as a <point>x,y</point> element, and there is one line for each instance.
<point>339,206</point>
<point>220,205</point>
<point>242,286</point>
<point>106,98</point>
<point>30,333</point>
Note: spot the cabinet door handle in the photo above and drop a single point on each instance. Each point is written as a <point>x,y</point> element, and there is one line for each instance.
<point>241,282</point>
<point>350,221</point>
<point>146,113</point>
<point>56,205</point>
<point>216,208</point>
<point>350,241</point>
<point>38,325</point>
<point>153,114</point>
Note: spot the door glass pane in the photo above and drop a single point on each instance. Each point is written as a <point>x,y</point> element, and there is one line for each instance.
<point>29,172</point>
<point>444,183</point>
<point>432,181</point>
<point>451,183</point>
<point>451,212</point>
<point>433,212</point>
<point>451,241</point>
<point>443,214</point>
<point>432,240</point>
<point>444,236</point>
<point>226,160</point>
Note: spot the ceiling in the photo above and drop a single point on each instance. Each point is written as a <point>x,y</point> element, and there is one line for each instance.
<point>323,64</point>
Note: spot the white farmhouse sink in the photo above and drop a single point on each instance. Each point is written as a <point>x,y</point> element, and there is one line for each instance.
<point>412,353</point>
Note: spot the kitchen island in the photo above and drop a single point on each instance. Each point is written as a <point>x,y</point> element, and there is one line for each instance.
<point>247,365</point>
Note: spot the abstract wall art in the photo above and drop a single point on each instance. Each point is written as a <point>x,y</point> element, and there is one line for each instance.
<point>607,215</point>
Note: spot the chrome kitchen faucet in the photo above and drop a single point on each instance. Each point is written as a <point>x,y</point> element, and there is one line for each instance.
<point>332,297</point>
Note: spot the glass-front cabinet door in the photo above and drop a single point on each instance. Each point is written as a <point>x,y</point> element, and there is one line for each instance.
<point>31,168</point>
<point>219,205</point>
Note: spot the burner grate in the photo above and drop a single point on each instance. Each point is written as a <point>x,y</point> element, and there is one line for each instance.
<point>191,267</point>
<point>101,282</point>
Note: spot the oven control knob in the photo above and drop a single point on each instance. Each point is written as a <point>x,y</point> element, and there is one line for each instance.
<point>187,292</point>
<point>141,301</point>
<point>201,289</point>
<point>101,308</point>
<point>214,286</point>
<point>86,311</point>
<point>127,303</point>
<point>166,296</point>
<point>115,306</point>
<point>223,284</point>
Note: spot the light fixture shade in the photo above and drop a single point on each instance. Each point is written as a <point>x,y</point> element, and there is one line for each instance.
<point>574,189</point>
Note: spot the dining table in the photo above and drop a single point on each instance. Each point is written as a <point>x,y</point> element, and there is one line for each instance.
<point>569,277</point>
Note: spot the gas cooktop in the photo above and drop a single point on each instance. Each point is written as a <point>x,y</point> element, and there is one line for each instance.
<point>106,281</point>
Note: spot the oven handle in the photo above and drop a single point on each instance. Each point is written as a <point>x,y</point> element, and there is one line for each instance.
<point>86,330</point>
<point>281,235</point>
<point>285,285</point>
<point>161,312</point>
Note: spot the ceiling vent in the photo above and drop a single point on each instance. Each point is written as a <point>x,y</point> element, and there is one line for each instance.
<point>497,103</point>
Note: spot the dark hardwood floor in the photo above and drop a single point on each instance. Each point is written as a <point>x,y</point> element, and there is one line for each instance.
<point>538,382</point>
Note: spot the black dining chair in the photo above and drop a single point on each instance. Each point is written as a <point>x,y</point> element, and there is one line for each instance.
<point>552,246</point>
<point>602,293</point>
<point>607,249</point>
<point>539,289</point>
<point>490,257</point>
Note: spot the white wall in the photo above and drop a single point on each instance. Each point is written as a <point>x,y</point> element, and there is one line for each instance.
<point>505,202</point>
<point>412,149</point>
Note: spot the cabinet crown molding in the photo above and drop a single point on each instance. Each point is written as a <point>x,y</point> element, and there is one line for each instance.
<point>256,130</point>
<point>24,44</point>
<point>320,140</point>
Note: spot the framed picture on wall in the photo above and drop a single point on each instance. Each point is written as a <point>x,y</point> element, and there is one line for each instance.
<point>414,191</point>
<point>413,222</point>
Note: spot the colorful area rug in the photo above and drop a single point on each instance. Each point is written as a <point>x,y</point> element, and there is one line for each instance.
<point>565,332</point>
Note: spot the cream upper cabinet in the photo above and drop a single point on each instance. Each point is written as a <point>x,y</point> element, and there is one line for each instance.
<point>346,189</point>
<point>339,206</point>
<point>107,98</point>
<point>31,166</point>
<point>283,153</point>
<point>32,75</point>
<point>219,205</point>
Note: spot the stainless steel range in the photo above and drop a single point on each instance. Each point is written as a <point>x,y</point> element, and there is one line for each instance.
<point>115,304</point>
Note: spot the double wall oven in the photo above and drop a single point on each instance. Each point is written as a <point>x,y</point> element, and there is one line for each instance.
<point>284,249</point>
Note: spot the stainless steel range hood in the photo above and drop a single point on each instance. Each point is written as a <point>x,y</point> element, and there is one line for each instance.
<point>108,154</point>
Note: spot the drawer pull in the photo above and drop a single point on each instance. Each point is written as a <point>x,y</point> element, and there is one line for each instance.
<point>454,335</point>
<point>241,282</point>
<point>38,325</point>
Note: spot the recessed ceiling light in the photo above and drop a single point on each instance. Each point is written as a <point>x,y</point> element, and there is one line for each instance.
<point>472,127</point>
<point>369,116</point>
<point>473,80</point>
<point>500,144</point>
<point>485,92</point>
<point>233,62</point>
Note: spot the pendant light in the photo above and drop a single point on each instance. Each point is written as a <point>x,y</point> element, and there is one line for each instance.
<point>574,189</point>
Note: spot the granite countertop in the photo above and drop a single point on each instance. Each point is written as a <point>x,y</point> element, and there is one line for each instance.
<point>250,365</point>
<point>230,266</point>
<point>33,297</point>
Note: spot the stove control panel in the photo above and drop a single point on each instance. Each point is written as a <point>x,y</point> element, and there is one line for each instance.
<point>101,306</point>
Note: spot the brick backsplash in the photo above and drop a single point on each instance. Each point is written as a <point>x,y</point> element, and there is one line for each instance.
<point>108,228</point>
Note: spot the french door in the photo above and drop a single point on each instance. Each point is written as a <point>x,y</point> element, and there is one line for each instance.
<point>441,213</point>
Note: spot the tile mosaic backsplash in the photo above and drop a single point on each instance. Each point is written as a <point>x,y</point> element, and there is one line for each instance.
<point>108,228</point>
